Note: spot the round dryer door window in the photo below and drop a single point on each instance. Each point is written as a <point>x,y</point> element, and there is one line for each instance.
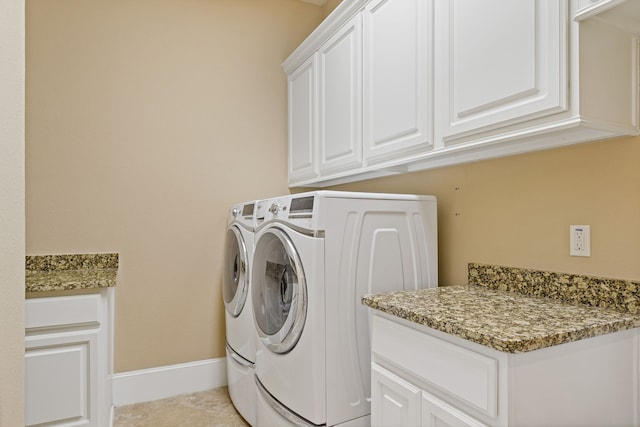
<point>279,291</point>
<point>235,280</point>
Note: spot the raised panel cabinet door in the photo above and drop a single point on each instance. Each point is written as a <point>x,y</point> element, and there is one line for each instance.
<point>394,401</point>
<point>397,78</point>
<point>340,100</point>
<point>302,92</point>
<point>61,379</point>
<point>498,62</point>
<point>436,413</point>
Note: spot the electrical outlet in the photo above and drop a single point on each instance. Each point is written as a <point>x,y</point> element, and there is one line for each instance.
<point>580,240</point>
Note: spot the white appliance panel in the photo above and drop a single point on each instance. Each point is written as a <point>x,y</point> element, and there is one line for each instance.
<point>239,324</point>
<point>383,246</point>
<point>241,386</point>
<point>297,378</point>
<point>349,244</point>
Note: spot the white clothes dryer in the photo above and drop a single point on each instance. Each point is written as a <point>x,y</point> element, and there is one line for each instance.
<point>316,254</point>
<point>239,325</point>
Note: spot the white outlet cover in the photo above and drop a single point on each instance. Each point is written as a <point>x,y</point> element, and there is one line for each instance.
<point>580,240</point>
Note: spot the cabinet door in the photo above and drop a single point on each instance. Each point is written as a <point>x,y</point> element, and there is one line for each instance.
<point>394,401</point>
<point>61,379</point>
<point>397,79</point>
<point>302,122</point>
<point>340,100</point>
<point>436,413</point>
<point>498,62</point>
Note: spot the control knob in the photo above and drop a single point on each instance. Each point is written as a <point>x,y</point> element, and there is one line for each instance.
<point>274,208</point>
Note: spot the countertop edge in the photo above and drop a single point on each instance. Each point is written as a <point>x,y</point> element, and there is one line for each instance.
<point>47,273</point>
<point>621,322</point>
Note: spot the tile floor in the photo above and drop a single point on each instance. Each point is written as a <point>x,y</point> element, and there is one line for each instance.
<point>204,409</point>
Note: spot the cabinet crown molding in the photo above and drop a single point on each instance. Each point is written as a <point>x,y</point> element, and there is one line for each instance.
<point>336,19</point>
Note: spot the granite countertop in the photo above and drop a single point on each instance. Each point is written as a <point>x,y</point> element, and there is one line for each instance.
<point>45,273</point>
<point>514,320</point>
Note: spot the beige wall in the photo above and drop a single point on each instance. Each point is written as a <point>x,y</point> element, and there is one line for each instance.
<point>329,5</point>
<point>12,249</point>
<point>516,211</point>
<point>136,112</point>
<point>146,120</point>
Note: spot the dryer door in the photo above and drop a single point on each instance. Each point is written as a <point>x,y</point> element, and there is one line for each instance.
<point>279,291</point>
<point>235,280</point>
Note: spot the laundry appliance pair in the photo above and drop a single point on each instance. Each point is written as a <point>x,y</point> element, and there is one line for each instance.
<point>315,255</point>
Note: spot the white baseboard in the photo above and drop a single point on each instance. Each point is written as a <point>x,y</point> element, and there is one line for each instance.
<point>167,381</point>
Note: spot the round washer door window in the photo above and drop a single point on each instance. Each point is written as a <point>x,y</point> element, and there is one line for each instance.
<point>279,291</point>
<point>235,278</point>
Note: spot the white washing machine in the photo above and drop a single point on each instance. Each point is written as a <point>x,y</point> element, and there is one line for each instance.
<point>241,334</point>
<point>316,254</point>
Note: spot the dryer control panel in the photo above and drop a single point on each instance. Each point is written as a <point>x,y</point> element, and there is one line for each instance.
<point>295,210</point>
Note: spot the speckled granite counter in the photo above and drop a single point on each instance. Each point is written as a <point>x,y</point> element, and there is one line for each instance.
<point>514,320</point>
<point>620,295</point>
<point>45,273</point>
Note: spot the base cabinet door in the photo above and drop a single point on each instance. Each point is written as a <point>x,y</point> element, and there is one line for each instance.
<point>397,402</point>
<point>436,413</point>
<point>61,379</point>
<point>68,360</point>
<point>394,401</point>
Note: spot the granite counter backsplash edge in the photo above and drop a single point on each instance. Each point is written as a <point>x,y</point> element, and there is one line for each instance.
<point>71,262</point>
<point>46,273</point>
<point>619,295</point>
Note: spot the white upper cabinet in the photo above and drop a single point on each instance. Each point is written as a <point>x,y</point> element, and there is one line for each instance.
<point>498,62</point>
<point>397,79</point>
<point>392,86</point>
<point>302,121</point>
<point>514,77</point>
<point>340,95</point>
<point>373,78</point>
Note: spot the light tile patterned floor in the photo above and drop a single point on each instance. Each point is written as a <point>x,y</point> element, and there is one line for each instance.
<point>204,409</point>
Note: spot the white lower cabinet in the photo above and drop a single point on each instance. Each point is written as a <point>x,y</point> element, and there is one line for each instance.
<point>397,401</point>
<point>436,413</point>
<point>424,377</point>
<point>67,361</point>
<point>61,377</point>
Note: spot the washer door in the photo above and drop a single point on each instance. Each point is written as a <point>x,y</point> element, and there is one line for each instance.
<point>235,279</point>
<point>279,291</point>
